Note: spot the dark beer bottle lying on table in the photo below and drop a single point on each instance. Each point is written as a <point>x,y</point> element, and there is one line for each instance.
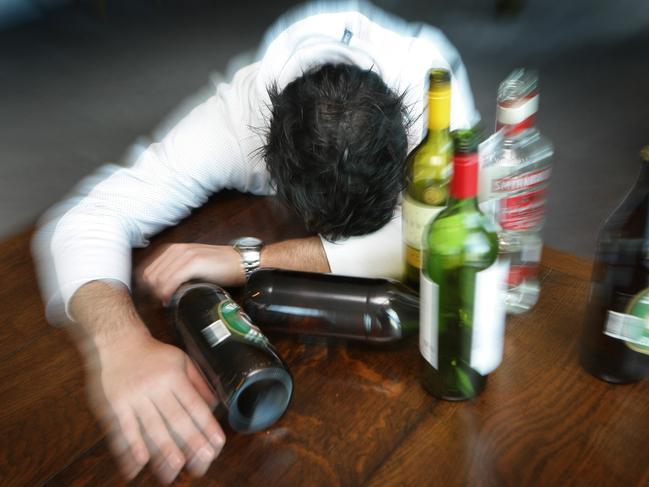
<point>615,341</point>
<point>250,379</point>
<point>326,305</point>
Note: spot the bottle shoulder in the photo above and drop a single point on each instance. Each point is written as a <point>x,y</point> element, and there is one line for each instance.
<point>525,151</point>
<point>430,155</point>
<point>463,232</point>
<point>629,219</point>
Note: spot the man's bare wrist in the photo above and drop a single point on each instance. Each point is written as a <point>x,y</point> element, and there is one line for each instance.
<point>301,254</point>
<point>105,314</point>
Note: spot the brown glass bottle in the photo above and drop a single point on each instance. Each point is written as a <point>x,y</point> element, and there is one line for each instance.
<point>327,305</point>
<point>249,377</point>
<point>615,340</point>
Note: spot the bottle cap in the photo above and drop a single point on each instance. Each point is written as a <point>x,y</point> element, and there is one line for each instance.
<point>518,100</point>
<point>465,164</point>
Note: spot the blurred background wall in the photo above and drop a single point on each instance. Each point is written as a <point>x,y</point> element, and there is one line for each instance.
<point>80,81</point>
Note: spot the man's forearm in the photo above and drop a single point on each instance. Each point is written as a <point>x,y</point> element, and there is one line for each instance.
<point>301,254</point>
<point>104,313</point>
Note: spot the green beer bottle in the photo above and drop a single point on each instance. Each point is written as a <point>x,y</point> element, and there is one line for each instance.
<point>462,288</point>
<point>429,173</point>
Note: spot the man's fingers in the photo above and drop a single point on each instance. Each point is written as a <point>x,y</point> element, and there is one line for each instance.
<point>130,428</point>
<point>173,275</point>
<point>152,269</point>
<point>126,443</point>
<point>122,454</point>
<point>168,459</point>
<point>197,450</point>
<point>201,414</point>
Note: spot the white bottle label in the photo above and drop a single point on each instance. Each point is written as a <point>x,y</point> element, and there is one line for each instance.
<point>215,333</point>
<point>632,329</point>
<point>489,317</point>
<point>415,218</point>
<point>428,319</point>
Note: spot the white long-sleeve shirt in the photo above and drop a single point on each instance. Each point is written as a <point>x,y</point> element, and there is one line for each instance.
<point>90,235</point>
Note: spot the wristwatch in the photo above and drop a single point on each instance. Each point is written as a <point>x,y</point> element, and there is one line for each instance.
<point>249,249</point>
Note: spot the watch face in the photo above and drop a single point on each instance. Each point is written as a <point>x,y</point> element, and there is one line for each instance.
<point>248,242</point>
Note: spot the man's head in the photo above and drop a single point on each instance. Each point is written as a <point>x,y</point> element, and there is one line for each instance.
<point>335,149</point>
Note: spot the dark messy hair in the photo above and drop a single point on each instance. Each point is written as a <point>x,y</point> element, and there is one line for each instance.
<point>335,149</point>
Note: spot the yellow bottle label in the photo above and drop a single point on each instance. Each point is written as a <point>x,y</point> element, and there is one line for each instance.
<point>416,217</point>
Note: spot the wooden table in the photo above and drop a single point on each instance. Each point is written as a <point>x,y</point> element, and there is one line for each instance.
<point>359,415</point>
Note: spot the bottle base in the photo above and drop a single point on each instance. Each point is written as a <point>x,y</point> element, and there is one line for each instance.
<point>610,376</point>
<point>436,386</point>
<point>522,298</point>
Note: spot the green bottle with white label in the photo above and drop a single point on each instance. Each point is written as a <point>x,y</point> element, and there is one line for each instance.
<point>462,288</point>
<point>615,339</point>
<point>245,371</point>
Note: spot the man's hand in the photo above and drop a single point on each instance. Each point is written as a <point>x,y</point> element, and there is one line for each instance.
<point>179,263</point>
<point>148,395</point>
<point>221,264</point>
<point>154,404</point>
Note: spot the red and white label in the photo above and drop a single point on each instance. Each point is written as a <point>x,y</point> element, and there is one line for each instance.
<point>523,181</point>
<point>523,211</point>
<point>521,272</point>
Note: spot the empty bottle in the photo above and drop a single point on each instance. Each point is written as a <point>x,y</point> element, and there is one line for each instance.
<point>249,377</point>
<point>327,305</point>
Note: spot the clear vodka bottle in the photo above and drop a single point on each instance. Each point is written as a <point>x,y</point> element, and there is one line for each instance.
<point>514,184</point>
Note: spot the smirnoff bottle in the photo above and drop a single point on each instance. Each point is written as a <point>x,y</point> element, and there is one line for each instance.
<point>514,185</point>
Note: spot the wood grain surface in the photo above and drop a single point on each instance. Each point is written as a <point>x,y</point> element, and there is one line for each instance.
<point>359,415</point>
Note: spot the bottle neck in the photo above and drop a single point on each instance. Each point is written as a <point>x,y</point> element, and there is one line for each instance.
<point>405,303</point>
<point>439,137</point>
<point>643,177</point>
<point>515,116</point>
<point>439,109</point>
<point>464,185</point>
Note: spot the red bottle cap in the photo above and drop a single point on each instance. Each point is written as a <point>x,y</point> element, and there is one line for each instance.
<point>465,176</point>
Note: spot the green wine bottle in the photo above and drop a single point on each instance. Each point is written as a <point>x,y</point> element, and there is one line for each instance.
<point>429,173</point>
<point>462,288</point>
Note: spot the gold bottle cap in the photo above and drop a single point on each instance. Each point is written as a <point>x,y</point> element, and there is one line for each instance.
<point>644,153</point>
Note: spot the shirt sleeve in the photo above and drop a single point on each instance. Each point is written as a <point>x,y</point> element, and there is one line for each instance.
<point>89,235</point>
<point>378,254</point>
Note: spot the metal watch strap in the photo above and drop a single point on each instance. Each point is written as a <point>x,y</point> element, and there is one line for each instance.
<point>250,260</point>
<point>249,249</point>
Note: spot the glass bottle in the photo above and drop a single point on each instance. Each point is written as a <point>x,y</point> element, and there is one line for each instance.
<point>513,188</point>
<point>429,168</point>
<point>615,340</point>
<point>462,288</point>
<point>249,377</point>
<point>326,305</point>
